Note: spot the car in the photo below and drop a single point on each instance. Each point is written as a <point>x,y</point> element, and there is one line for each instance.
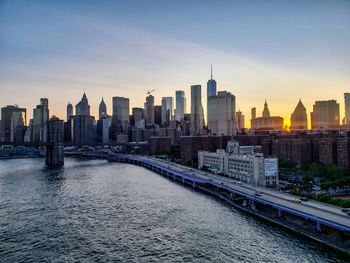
<point>296,200</point>
<point>303,199</point>
<point>239,182</point>
<point>210,179</point>
<point>257,193</point>
<point>222,183</point>
<point>345,210</point>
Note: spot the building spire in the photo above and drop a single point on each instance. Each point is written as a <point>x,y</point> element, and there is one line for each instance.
<point>211,71</point>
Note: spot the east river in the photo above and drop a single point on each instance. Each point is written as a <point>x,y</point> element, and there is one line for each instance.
<point>95,211</point>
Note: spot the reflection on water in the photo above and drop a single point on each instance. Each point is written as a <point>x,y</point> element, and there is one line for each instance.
<point>99,211</point>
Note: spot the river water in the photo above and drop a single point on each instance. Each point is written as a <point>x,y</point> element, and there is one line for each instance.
<point>95,211</point>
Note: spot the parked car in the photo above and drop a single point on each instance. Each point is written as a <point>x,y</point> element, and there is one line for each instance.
<point>303,199</point>
<point>257,193</point>
<point>346,210</point>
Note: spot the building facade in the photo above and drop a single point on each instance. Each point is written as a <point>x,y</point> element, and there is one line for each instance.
<point>7,127</point>
<point>83,107</point>
<point>250,168</point>
<point>102,109</point>
<point>298,119</point>
<point>222,114</point>
<point>69,111</point>
<point>149,110</point>
<point>266,122</point>
<point>347,108</point>
<point>325,115</point>
<point>120,117</point>
<point>40,119</point>
<point>197,117</point>
<point>167,109</point>
<point>240,121</point>
<point>180,105</point>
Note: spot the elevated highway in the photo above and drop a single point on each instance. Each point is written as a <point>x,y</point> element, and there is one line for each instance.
<point>322,215</point>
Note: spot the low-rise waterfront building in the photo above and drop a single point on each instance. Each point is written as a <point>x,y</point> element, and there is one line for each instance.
<point>249,167</point>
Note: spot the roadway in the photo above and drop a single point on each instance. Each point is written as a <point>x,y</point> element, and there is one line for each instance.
<point>314,208</point>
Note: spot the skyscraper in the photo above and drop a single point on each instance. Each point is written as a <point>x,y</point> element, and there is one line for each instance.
<point>84,132</point>
<point>69,111</point>
<point>83,107</point>
<point>138,118</point>
<point>17,128</point>
<point>347,108</point>
<point>102,109</point>
<point>325,115</point>
<point>40,119</point>
<point>180,105</point>
<point>6,121</point>
<point>158,114</point>
<point>120,116</point>
<point>167,109</point>
<point>240,120</point>
<point>149,110</point>
<point>211,89</point>
<point>196,110</point>
<point>211,84</point>
<point>222,114</point>
<point>298,119</point>
<point>253,113</point>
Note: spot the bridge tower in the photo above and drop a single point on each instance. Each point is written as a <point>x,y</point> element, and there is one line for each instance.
<point>54,145</point>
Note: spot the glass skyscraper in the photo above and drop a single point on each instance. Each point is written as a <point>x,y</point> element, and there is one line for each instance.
<point>180,105</point>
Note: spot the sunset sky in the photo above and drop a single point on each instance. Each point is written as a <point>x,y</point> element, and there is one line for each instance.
<point>275,50</point>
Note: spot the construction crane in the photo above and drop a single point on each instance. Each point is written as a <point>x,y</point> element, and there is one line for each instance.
<point>149,92</point>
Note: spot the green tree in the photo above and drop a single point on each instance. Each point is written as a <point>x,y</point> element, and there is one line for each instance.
<point>317,170</point>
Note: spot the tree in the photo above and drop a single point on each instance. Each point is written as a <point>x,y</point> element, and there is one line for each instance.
<point>317,170</point>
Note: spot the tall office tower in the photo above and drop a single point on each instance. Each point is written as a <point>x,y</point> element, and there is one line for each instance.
<point>211,84</point>
<point>17,128</point>
<point>253,113</point>
<point>102,109</point>
<point>347,108</point>
<point>83,124</point>
<point>266,112</point>
<point>158,114</point>
<point>69,111</point>
<point>149,110</point>
<point>211,89</point>
<point>28,136</point>
<point>83,107</point>
<point>83,130</point>
<point>120,118</point>
<point>222,114</point>
<point>40,119</point>
<point>138,118</point>
<point>6,121</point>
<point>240,120</point>
<point>180,105</point>
<point>167,109</point>
<point>298,119</point>
<point>196,110</point>
<point>325,115</point>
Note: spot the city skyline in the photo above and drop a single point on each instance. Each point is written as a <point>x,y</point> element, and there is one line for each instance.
<point>105,53</point>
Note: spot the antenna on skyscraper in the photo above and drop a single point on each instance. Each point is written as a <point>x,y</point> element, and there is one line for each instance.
<point>211,71</point>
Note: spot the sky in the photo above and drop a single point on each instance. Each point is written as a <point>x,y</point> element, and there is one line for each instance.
<point>275,50</point>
